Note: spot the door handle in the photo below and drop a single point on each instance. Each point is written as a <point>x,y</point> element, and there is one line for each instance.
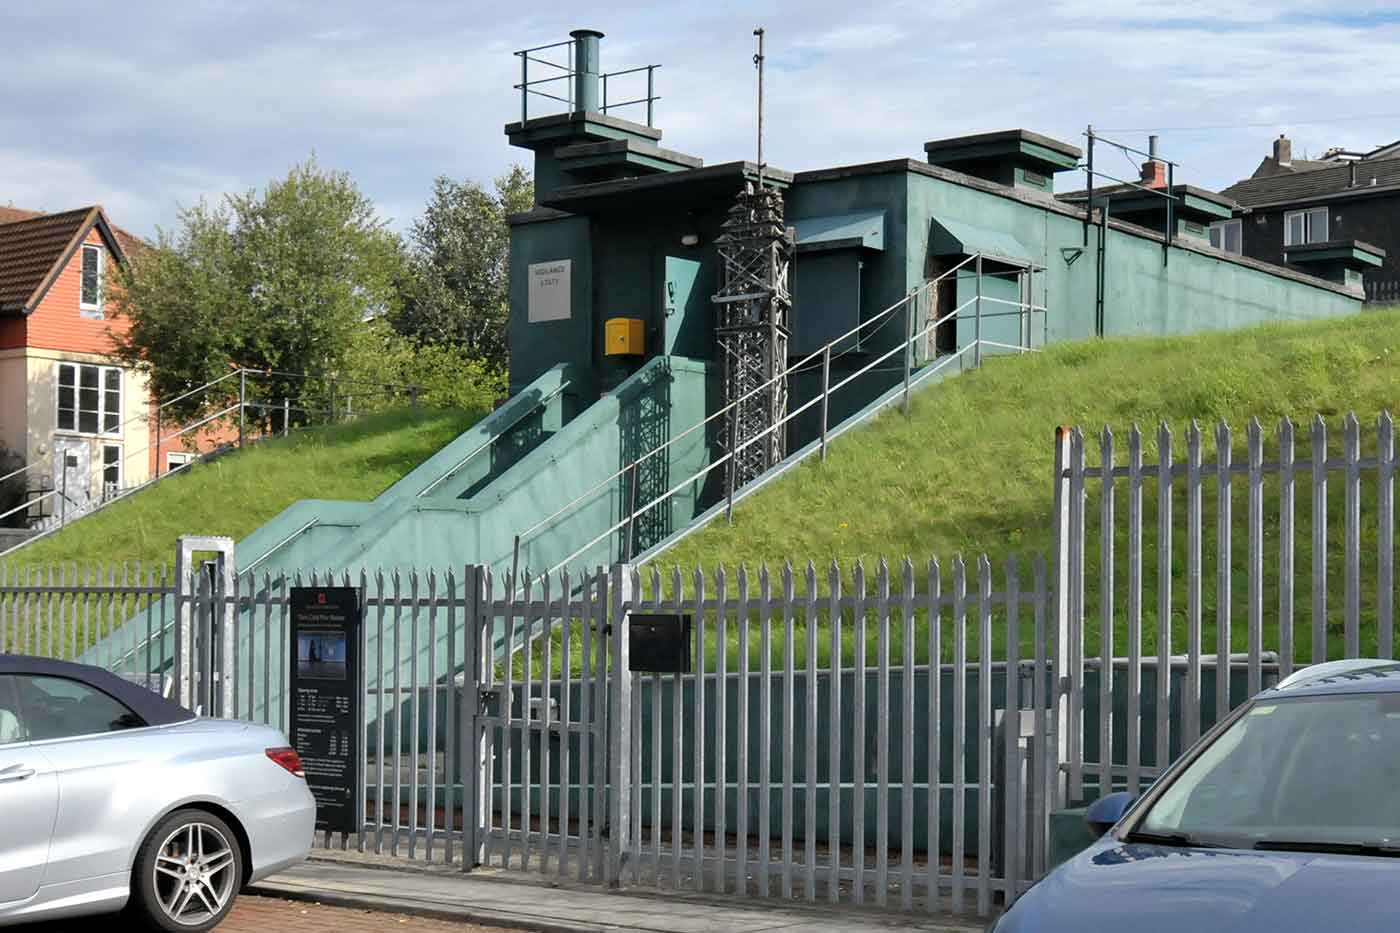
<point>15,773</point>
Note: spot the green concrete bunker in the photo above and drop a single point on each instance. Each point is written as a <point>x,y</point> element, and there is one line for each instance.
<point>632,406</point>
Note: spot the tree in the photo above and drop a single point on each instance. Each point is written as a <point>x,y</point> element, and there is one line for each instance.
<point>459,256</point>
<point>442,375</point>
<point>277,280</point>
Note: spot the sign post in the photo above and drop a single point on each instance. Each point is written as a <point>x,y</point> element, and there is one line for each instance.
<point>327,701</point>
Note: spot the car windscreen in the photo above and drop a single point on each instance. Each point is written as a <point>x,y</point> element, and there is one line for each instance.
<point>1318,769</point>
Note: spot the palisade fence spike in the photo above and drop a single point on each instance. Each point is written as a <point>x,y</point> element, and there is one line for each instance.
<point>1385,509</point>
<point>1351,533</point>
<point>1287,515</point>
<point>1319,539</point>
<point>1255,568</point>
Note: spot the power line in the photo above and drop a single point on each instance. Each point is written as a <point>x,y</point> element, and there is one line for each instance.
<point>1253,126</point>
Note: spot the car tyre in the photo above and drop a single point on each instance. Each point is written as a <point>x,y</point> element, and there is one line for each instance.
<point>187,874</point>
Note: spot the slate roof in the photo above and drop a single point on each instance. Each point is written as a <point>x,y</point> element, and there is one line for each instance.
<point>1315,182</point>
<point>34,251</point>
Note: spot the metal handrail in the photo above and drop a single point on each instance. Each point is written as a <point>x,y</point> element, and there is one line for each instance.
<point>528,86</point>
<point>487,444</point>
<point>795,367</point>
<point>28,504</point>
<point>26,467</point>
<point>161,441</point>
<point>904,347</point>
<point>541,48</point>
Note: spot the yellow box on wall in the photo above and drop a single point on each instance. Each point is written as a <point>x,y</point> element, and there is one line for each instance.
<point>623,336</point>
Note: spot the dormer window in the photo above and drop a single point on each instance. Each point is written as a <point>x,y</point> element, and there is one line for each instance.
<point>90,301</point>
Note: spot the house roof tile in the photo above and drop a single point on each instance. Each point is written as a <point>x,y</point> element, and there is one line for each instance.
<point>1316,182</point>
<point>11,214</point>
<point>129,241</point>
<point>34,250</point>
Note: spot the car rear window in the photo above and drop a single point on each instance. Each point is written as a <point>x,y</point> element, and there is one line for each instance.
<point>60,708</point>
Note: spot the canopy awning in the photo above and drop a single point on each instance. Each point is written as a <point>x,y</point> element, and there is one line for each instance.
<point>861,230</point>
<point>954,238</point>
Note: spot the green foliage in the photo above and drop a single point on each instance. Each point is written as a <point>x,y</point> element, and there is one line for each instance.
<point>276,280</point>
<point>459,253</point>
<point>443,375</point>
<point>239,492</point>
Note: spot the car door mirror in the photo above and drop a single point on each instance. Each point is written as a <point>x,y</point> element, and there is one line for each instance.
<point>1106,811</point>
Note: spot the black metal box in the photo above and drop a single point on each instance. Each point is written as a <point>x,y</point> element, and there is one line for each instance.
<point>659,642</point>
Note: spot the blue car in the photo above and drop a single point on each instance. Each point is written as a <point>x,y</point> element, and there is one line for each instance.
<point>1285,817</point>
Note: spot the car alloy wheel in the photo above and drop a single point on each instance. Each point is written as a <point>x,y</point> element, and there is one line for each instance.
<point>196,874</point>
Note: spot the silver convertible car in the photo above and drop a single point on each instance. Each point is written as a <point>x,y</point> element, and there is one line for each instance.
<point>113,797</point>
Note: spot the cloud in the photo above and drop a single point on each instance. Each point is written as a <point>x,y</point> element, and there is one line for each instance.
<point>147,106</point>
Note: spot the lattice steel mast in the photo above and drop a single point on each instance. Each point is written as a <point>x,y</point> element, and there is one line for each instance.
<point>753,308</point>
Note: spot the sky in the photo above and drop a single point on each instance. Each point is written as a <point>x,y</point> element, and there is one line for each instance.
<point>147,105</point>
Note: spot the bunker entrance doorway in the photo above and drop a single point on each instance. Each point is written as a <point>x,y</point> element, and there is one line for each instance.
<point>982,298</point>
<point>943,300</point>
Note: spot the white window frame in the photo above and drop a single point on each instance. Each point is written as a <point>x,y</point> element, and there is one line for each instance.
<point>1310,234</point>
<point>91,309</point>
<point>178,460</point>
<point>120,465</point>
<point>102,410</point>
<point>1222,226</point>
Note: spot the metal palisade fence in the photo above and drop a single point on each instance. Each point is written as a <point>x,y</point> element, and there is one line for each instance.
<point>1190,583</point>
<point>840,736</point>
<point>873,735</point>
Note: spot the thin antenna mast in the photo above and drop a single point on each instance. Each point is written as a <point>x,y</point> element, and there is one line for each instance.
<point>758,63</point>
<point>752,311</point>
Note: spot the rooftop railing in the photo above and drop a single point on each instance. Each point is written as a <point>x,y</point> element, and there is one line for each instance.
<point>569,74</point>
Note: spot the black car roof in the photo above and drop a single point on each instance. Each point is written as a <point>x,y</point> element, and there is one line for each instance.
<point>155,709</point>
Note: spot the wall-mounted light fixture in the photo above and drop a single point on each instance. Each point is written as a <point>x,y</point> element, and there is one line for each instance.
<point>690,239</point>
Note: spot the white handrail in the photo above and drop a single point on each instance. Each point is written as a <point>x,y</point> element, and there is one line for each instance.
<point>588,493</point>
<point>903,346</point>
<point>146,418</point>
<point>25,468</point>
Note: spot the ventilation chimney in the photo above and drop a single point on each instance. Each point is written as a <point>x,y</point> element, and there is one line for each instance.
<point>1154,170</point>
<point>1283,150</point>
<point>586,70</point>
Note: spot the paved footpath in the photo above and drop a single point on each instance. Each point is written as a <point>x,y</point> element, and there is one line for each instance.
<point>517,902</point>
<point>265,914</point>
<point>276,915</point>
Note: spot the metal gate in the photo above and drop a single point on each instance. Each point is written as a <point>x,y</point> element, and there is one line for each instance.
<point>503,725</point>
<point>544,654</point>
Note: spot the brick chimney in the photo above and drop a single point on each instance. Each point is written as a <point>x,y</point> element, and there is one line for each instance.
<point>1154,171</point>
<point>1283,150</point>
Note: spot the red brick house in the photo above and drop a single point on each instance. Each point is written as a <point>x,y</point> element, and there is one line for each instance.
<point>78,417</point>
<point>67,406</point>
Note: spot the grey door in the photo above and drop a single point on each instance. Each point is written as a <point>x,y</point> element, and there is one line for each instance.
<point>72,477</point>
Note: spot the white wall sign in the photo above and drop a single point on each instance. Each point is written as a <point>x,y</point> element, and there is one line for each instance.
<point>549,290</point>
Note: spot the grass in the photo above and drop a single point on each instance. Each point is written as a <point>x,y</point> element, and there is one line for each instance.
<point>970,472</point>
<point>236,494</point>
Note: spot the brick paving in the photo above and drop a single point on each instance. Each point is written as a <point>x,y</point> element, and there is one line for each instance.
<point>271,915</point>
<point>264,914</point>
